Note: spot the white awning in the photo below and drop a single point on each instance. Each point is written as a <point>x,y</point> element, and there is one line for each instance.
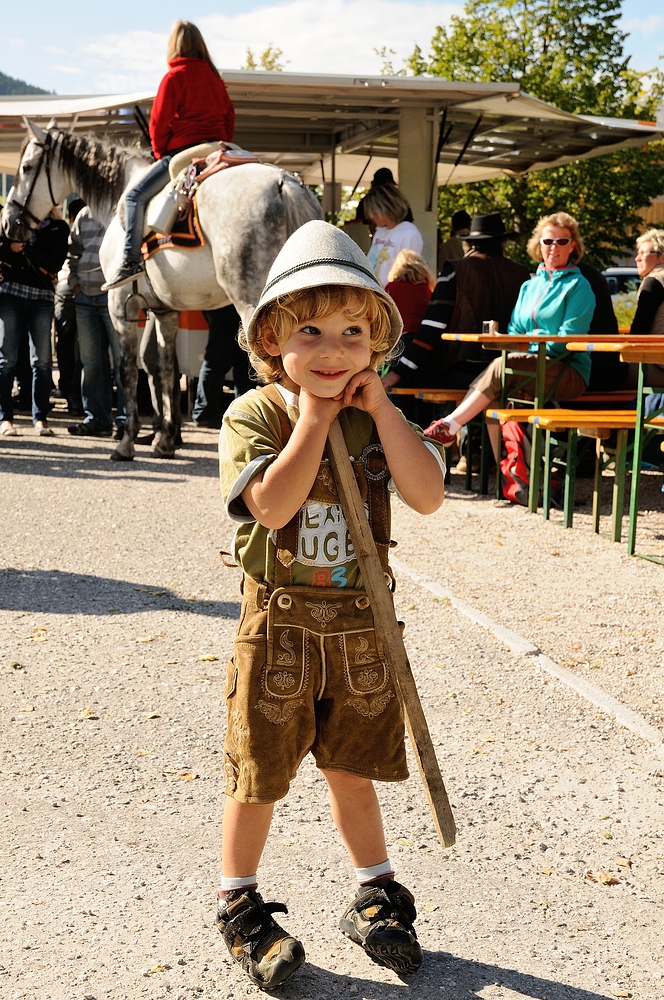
<point>300,121</point>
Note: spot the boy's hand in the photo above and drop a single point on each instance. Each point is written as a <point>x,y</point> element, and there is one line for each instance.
<point>318,408</point>
<point>365,391</point>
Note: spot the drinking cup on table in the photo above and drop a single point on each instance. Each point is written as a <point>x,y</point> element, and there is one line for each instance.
<point>490,326</point>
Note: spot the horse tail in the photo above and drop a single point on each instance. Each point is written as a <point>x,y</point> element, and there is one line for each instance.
<point>300,204</point>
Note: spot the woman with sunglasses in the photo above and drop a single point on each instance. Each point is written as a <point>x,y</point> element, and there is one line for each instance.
<point>557,300</point>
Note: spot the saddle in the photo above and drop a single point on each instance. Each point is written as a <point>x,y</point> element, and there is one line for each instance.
<point>188,169</point>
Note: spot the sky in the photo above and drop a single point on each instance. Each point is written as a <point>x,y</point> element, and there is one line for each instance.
<point>118,46</point>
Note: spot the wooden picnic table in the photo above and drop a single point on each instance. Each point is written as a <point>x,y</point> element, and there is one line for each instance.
<point>641,350</point>
<point>638,348</point>
<point>508,342</point>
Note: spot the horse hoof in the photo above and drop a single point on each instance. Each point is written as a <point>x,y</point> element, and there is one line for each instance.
<point>157,453</point>
<point>117,456</point>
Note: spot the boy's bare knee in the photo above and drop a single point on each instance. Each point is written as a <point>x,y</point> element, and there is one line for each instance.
<point>342,781</point>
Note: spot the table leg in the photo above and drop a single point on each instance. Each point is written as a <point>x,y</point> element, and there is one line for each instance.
<point>597,486</point>
<point>485,454</point>
<point>536,450</point>
<point>503,400</point>
<point>618,504</point>
<point>546,491</point>
<point>570,478</point>
<point>636,464</point>
<point>470,451</point>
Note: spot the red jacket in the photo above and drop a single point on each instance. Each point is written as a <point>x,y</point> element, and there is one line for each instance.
<point>411,301</point>
<point>192,105</point>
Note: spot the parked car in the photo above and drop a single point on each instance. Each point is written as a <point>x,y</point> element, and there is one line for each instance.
<point>622,279</point>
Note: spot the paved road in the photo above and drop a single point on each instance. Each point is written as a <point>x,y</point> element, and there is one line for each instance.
<point>115,620</point>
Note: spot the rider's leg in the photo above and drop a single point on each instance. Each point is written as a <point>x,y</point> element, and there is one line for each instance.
<point>136,202</point>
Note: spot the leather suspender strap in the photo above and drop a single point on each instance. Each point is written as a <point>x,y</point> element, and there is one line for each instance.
<point>286,536</point>
<point>371,466</point>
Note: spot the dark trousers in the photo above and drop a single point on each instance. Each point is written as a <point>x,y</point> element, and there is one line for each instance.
<point>66,349</point>
<point>222,353</point>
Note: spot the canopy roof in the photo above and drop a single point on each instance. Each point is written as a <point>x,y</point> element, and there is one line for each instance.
<point>298,120</point>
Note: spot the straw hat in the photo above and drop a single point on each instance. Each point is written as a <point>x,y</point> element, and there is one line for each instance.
<point>320,254</point>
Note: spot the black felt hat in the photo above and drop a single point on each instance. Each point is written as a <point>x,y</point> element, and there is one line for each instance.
<point>487,227</point>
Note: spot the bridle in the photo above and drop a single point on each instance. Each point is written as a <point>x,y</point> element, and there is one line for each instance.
<point>44,162</point>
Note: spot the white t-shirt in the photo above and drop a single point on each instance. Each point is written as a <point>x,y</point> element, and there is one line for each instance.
<point>387,243</point>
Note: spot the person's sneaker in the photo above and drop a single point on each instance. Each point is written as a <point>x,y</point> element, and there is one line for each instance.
<point>462,465</point>
<point>380,919</point>
<point>440,432</point>
<point>128,271</point>
<point>86,430</point>
<point>266,952</point>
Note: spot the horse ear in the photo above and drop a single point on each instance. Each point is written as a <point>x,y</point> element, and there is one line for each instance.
<point>52,124</point>
<point>37,132</point>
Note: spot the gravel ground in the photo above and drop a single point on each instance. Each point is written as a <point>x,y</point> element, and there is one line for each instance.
<point>117,617</point>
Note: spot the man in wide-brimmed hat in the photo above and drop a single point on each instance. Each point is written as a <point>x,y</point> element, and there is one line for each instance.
<point>482,285</point>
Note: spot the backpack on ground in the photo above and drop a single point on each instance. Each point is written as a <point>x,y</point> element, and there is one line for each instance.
<point>515,463</point>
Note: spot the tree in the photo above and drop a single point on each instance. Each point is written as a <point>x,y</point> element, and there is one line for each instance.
<point>10,85</point>
<point>269,59</point>
<point>570,54</point>
<point>386,55</point>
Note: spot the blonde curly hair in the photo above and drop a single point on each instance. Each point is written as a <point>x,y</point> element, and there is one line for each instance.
<point>283,313</point>
<point>411,267</point>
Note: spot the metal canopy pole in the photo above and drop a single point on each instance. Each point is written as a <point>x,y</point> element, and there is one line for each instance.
<point>333,199</point>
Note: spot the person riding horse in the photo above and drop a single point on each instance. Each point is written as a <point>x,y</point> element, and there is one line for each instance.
<point>192,106</point>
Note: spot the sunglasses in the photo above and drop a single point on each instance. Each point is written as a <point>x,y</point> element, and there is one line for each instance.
<point>561,241</point>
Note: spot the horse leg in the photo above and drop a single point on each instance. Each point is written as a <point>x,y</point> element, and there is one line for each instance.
<point>167,329</point>
<point>128,332</point>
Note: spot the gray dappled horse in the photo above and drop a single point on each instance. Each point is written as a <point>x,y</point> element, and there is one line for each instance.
<point>246,214</point>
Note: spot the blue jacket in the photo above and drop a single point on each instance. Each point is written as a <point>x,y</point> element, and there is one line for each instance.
<point>560,303</point>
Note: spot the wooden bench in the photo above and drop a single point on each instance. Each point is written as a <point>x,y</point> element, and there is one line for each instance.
<point>442,397</point>
<point>585,423</point>
<point>430,395</point>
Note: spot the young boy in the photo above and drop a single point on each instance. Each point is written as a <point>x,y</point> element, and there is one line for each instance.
<point>308,673</point>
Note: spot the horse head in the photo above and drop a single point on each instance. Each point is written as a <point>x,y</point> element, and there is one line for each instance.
<point>32,195</point>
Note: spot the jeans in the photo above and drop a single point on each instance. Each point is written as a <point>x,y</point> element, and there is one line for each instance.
<point>17,316</point>
<point>66,349</point>
<point>96,334</point>
<point>222,352</point>
<point>136,202</point>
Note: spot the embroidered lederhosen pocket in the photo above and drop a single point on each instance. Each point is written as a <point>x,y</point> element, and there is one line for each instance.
<point>339,622</point>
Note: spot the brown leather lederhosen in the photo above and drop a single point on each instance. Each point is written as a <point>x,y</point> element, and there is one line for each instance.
<point>308,671</point>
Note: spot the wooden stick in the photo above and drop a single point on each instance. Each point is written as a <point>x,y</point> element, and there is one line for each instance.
<point>390,634</point>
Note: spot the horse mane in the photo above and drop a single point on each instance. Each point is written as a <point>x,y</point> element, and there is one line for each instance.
<point>298,210</point>
<point>98,166</point>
